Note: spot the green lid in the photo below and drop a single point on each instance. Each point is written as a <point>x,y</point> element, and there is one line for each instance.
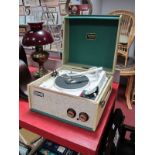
<point>91,40</point>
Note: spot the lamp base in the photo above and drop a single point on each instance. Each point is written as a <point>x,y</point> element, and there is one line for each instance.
<point>40,56</point>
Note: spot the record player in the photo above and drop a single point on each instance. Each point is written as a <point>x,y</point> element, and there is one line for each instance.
<point>78,91</point>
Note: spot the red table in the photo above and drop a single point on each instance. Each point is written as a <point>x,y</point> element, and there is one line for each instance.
<point>78,139</point>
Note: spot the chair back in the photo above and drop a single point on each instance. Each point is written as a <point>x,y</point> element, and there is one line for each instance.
<point>24,73</point>
<point>127,26</point>
<point>22,54</point>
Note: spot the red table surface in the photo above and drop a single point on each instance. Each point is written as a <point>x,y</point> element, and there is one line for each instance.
<point>78,139</point>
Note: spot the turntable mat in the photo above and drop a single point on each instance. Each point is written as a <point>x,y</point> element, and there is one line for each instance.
<point>60,81</point>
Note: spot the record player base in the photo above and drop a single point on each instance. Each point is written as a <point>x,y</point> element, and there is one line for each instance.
<point>87,112</point>
<point>78,139</point>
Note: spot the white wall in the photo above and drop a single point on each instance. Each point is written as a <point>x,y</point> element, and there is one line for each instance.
<point>97,7</point>
<point>109,5</point>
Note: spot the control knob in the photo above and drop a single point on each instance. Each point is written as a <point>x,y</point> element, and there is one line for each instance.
<point>71,113</point>
<point>83,116</point>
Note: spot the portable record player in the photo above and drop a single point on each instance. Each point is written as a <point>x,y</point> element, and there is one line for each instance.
<point>78,91</point>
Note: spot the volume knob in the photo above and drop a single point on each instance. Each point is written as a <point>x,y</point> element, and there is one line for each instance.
<point>83,116</point>
<point>71,113</point>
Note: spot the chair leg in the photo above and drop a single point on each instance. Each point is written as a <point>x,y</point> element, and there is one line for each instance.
<point>128,91</point>
<point>126,60</point>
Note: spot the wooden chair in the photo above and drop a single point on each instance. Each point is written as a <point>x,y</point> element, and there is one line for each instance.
<point>127,32</point>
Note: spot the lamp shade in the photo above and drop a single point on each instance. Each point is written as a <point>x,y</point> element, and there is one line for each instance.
<point>37,35</point>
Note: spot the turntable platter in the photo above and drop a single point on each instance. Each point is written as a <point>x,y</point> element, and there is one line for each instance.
<point>73,82</point>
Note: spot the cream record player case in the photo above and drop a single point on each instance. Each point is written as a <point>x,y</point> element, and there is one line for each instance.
<point>88,41</point>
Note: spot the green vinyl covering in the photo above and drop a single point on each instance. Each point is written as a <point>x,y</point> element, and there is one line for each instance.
<point>99,51</point>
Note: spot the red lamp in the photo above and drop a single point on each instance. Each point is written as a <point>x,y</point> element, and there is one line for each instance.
<point>38,37</point>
